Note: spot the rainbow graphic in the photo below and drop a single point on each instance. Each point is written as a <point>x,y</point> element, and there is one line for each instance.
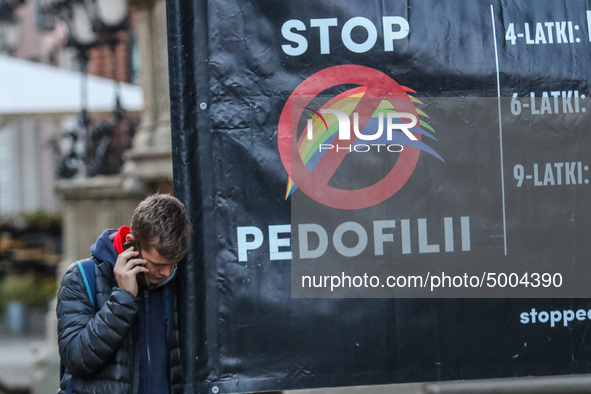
<point>325,129</point>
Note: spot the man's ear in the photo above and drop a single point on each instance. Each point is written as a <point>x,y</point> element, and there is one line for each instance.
<point>128,238</point>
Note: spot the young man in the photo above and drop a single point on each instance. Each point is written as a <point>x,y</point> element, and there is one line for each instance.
<point>127,342</point>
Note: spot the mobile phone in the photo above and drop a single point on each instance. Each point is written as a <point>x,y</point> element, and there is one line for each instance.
<point>142,278</point>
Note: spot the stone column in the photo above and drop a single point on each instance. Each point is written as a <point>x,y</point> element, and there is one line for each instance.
<point>150,159</point>
<point>91,205</point>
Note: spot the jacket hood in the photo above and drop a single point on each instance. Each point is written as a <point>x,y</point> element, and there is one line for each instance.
<point>103,248</point>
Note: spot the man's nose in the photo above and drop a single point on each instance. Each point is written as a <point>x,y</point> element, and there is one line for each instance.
<point>166,271</point>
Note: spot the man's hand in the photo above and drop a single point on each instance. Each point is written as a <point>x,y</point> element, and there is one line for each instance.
<point>126,268</point>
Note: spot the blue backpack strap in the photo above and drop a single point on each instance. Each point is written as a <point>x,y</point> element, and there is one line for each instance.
<point>86,268</point>
<point>70,387</point>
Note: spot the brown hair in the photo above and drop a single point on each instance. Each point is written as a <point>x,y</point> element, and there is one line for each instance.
<point>161,222</point>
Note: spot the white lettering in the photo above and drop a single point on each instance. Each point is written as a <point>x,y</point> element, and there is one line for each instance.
<point>323,25</point>
<point>275,242</point>
<point>313,240</point>
<point>289,35</point>
<point>244,245</point>
<point>370,41</point>
<point>294,31</point>
<point>390,35</point>
<point>305,251</point>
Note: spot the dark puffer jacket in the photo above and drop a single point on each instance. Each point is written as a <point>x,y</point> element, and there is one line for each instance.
<point>99,347</point>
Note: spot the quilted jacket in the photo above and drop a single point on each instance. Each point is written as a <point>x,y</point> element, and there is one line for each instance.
<point>99,345</point>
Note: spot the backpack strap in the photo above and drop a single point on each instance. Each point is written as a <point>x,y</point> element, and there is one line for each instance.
<point>86,268</point>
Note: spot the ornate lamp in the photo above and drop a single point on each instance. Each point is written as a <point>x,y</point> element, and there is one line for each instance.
<point>79,24</point>
<point>91,23</point>
<point>110,15</point>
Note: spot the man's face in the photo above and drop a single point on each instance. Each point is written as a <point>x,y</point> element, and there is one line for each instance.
<point>159,267</point>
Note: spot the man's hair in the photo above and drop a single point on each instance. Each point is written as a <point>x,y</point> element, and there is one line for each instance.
<point>161,222</point>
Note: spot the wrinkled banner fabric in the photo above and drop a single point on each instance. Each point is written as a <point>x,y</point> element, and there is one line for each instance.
<point>382,191</point>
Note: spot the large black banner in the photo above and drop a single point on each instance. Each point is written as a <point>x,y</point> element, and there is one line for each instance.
<point>382,191</point>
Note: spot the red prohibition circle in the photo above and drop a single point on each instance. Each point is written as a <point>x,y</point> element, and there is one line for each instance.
<point>315,184</point>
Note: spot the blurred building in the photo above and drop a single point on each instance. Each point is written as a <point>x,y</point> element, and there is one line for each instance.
<point>19,37</point>
<point>26,180</point>
<point>24,142</point>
